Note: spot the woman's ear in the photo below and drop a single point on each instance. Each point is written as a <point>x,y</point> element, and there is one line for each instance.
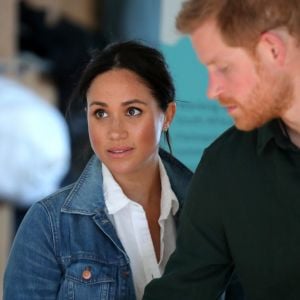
<point>169,115</point>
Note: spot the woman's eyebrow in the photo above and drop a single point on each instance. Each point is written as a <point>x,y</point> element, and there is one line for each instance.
<point>125,103</point>
<point>99,103</point>
<point>134,101</point>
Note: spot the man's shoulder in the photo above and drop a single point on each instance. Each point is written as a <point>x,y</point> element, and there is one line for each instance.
<point>233,143</point>
<point>227,156</point>
<point>233,138</point>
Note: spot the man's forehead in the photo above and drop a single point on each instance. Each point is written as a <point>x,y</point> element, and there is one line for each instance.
<point>209,44</point>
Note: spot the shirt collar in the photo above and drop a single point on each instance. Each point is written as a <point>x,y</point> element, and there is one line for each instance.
<point>169,201</point>
<point>114,197</point>
<point>116,200</point>
<point>273,130</point>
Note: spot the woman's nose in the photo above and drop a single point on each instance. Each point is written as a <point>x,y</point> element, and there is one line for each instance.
<point>117,129</point>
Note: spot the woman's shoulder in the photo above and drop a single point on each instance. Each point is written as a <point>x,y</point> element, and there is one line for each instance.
<point>54,202</point>
<point>179,175</point>
<point>172,164</point>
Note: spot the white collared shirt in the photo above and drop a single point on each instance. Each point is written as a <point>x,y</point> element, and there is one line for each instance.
<point>131,225</point>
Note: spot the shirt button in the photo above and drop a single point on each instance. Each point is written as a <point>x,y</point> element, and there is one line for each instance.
<point>87,274</point>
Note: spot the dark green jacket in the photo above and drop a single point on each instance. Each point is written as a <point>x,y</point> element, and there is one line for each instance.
<point>242,213</point>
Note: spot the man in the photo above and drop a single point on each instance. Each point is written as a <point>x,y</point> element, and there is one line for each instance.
<point>243,209</point>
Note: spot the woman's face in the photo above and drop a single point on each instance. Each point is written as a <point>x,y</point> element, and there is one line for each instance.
<point>125,122</point>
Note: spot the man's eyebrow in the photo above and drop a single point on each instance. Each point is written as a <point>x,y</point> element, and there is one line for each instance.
<point>210,62</point>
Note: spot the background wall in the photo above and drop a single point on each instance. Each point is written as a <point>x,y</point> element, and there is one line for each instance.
<point>198,120</point>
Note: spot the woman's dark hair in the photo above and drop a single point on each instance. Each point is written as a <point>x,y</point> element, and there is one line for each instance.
<point>148,63</point>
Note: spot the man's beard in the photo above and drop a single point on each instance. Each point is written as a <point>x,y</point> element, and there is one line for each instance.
<point>269,99</point>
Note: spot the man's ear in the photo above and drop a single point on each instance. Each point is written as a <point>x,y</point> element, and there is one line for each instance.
<point>272,48</point>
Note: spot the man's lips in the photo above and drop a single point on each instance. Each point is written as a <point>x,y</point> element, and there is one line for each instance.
<point>231,108</point>
<point>228,104</point>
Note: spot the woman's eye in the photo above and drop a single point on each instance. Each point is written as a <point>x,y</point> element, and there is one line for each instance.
<point>100,114</point>
<point>133,111</point>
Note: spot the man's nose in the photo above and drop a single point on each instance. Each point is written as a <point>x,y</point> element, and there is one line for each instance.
<point>215,87</point>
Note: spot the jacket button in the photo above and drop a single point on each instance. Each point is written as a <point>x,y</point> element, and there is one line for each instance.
<point>87,274</point>
<point>125,274</point>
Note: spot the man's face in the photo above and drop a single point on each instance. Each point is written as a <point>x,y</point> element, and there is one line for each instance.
<point>249,91</point>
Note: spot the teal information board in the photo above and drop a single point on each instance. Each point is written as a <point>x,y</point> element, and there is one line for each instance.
<point>198,120</point>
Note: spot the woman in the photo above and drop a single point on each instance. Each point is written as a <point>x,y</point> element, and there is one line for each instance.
<point>110,233</point>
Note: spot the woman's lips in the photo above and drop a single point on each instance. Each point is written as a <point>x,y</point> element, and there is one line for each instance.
<point>118,152</point>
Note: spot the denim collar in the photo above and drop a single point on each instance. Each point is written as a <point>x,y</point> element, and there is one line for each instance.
<point>87,188</point>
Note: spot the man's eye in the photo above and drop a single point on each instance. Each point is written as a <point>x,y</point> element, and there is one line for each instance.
<point>133,111</point>
<point>223,69</point>
<point>100,114</point>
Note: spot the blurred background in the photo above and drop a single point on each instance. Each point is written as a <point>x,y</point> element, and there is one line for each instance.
<point>44,45</point>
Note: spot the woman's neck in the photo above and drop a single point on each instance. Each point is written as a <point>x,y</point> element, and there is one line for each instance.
<point>144,188</point>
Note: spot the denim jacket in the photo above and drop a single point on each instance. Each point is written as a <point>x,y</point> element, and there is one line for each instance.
<point>66,247</point>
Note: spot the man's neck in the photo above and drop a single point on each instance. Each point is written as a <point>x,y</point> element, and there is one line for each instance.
<point>291,121</point>
<point>294,136</point>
